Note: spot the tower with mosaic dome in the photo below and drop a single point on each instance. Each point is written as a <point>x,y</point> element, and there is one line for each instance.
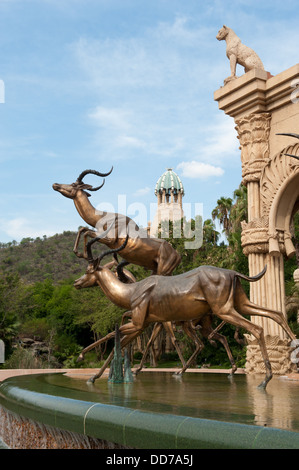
<point>169,191</point>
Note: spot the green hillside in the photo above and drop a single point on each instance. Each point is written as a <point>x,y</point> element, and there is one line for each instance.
<point>43,258</point>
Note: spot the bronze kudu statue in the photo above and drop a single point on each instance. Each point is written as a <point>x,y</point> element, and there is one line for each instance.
<point>204,325</point>
<point>152,253</point>
<point>206,330</point>
<point>185,297</point>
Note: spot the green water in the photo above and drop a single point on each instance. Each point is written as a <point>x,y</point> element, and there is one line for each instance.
<point>210,396</point>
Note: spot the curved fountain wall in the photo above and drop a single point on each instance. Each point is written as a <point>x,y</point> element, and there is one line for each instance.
<point>109,426</point>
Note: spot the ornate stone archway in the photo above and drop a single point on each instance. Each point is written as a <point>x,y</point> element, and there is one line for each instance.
<point>267,240</point>
<point>262,107</point>
<point>280,198</point>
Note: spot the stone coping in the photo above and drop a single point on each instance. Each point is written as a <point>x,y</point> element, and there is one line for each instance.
<point>6,373</point>
<point>133,428</point>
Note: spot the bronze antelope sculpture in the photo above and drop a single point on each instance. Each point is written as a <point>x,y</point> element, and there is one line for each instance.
<point>185,297</point>
<point>152,253</point>
<point>205,325</point>
<point>206,330</point>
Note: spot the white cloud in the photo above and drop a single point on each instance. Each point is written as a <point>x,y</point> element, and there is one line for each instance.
<point>127,141</point>
<point>221,144</point>
<point>218,144</point>
<point>20,228</point>
<point>142,191</point>
<point>194,169</point>
<point>155,77</point>
<point>161,58</point>
<point>158,79</point>
<point>110,117</point>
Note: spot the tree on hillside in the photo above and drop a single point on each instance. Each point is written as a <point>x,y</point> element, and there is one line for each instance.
<point>9,322</point>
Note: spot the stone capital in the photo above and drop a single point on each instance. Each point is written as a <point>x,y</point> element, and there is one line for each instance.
<point>253,134</point>
<point>255,236</point>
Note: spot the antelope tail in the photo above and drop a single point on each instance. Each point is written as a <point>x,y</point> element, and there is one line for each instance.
<point>253,278</point>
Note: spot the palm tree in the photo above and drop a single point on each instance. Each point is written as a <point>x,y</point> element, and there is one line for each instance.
<point>239,210</point>
<point>222,213</point>
<point>210,235</point>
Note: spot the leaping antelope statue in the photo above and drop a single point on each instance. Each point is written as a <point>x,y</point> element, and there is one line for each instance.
<point>204,325</point>
<point>185,297</point>
<point>152,253</point>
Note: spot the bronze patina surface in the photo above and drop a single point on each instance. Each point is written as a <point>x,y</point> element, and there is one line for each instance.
<point>186,297</point>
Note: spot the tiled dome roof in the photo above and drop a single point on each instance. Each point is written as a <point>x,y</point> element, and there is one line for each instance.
<point>170,183</point>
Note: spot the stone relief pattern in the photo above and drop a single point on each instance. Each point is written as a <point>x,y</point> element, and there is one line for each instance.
<point>254,236</point>
<point>253,134</point>
<point>278,350</point>
<point>274,174</point>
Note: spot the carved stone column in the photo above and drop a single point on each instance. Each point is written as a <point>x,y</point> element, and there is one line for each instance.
<point>253,133</point>
<point>263,107</point>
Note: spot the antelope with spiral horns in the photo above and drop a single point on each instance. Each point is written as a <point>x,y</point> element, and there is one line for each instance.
<point>204,325</point>
<point>152,253</point>
<point>127,277</point>
<point>185,297</point>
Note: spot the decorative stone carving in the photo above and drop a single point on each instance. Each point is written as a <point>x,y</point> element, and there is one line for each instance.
<point>274,174</point>
<point>238,53</point>
<point>279,174</point>
<point>279,355</point>
<point>255,236</point>
<point>265,112</point>
<point>253,134</point>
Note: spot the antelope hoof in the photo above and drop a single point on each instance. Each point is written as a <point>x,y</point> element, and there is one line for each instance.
<point>91,380</point>
<point>262,385</point>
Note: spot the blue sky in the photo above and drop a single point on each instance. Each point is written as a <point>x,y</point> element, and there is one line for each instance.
<point>128,83</point>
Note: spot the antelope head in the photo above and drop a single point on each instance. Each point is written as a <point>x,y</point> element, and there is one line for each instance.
<point>70,190</point>
<point>95,273</point>
<point>89,279</point>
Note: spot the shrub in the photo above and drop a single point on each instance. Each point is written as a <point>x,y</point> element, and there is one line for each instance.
<point>24,359</point>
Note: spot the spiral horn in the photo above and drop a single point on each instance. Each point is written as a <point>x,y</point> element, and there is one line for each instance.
<point>93,172</point>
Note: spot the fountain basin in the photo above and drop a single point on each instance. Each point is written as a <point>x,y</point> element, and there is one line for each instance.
<point>123,416</point>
